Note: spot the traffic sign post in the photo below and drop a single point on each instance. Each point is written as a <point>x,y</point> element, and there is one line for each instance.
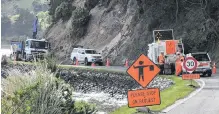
<point>143,70</point>
<point>190,64</point>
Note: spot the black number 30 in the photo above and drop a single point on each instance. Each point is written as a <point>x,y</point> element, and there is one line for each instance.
<point>190,64</point>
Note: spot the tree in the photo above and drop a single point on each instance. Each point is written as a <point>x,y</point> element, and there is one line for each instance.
<point>64,11</point>
<point>25,22</point>
<point>6,25</point>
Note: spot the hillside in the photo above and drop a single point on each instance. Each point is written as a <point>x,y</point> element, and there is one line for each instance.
<point>121,29</point>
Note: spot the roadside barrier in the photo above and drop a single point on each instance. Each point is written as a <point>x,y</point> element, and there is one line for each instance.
<point>214,69</point>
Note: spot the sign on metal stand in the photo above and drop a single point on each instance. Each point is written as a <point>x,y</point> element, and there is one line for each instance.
<point>143,70</point>
<point>190,65</point>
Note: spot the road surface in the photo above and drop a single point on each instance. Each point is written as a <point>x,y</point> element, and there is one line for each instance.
<point>109,68</point>
<point>204,102</point>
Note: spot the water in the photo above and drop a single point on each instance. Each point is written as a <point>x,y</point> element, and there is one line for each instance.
<point>104,102</point>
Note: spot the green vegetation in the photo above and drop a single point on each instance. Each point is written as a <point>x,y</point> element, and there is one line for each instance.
<point>177,91</point>
<point>168,96</point>
<point>64,11</point>
<point>44,20</point>
<point>38,92</point>
<point>17,14</point>
<point>124,110</point>
<point>14,18</point>
<point>80,18</point>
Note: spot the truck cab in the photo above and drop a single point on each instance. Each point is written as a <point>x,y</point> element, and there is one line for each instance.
<point>29,49</point>
<point>36,48</point>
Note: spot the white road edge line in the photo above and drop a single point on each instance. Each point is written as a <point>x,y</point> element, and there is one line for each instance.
<point>202,84</point>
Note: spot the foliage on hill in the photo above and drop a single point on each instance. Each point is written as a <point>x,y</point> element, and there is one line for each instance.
<point>17,14</point>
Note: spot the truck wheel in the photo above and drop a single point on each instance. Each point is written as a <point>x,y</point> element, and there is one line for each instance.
<point>100,64</point>
<point>25,58</point>
<point>209,74</point>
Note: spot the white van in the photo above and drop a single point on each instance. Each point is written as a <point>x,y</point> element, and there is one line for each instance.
<point>86,56</point>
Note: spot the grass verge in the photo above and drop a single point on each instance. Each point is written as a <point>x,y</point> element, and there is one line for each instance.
<point>177,91</point>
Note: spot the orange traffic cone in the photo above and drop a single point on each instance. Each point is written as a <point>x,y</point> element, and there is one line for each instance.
<point>126,63</point>
<point>93,64</point>
<point>107,62</point>
<point>77,63</point>
<point>214,69</point>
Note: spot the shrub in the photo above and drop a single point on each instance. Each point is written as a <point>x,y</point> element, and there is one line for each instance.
<point>50,62</point>
<point>80,18</point>
<point>4,60</point>
<point>38,92</point>
<point>89,4</point>
<point>64,11</point>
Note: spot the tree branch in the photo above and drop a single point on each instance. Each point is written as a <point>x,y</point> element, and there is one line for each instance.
<point>177,9</point>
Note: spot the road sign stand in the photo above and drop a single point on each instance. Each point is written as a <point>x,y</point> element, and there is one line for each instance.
<point>190,64</point>
<point>145,96</point>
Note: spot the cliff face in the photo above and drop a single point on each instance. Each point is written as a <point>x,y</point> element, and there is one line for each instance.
<point>121,29</point>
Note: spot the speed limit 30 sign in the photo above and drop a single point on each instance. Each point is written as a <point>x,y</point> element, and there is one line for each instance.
<point>190,64</point>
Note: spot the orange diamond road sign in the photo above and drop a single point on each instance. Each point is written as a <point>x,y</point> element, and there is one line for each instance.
<point>143,70</point>
<point>143,97</point>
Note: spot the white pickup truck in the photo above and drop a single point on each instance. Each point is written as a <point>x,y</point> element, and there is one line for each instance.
<point>86,56</point>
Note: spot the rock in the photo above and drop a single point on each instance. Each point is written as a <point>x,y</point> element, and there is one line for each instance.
<point>143,109</point>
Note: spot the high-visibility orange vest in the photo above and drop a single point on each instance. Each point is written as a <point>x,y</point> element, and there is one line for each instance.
<point>161,59</point>
<point>181,58</point>
<point>178,66</point>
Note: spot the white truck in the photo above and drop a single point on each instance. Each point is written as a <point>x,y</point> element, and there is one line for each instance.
<point>159,45</point>
<point>86,56</point>
<point>29,50</point>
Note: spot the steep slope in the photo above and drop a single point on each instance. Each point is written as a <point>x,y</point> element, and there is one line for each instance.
<point>121,29</point>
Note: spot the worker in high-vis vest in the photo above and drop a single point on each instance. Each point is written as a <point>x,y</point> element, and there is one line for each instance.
<point>161,61</point>
<point>179,61</point>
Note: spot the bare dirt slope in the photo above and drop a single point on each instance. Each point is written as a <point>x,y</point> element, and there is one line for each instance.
<point>121,29</point>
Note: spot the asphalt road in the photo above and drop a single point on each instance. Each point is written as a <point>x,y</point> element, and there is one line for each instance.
<point>204,102</point>
<point>111,68</point>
